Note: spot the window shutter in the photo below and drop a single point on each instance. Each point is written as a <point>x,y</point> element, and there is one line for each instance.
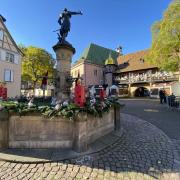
<point>3,55</point>
<point>16,59</point>
<point>1,34</point>
<point>12,76</point>
<point>7,75</point>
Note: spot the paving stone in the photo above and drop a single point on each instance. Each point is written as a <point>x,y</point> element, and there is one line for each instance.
<point>4,176</point>
<point>60,173</point>
<point>37,175</point>
<point>40,169</point>
<point>63,167</point>
<point>18,166</point>
<point>79,176</point>
<point>33,170</point>
<point>50,176</point>
<point>48,168</point>
<point>25,165</point>
<point>47,164</point>
<point>21,176</point>
<point>6,164</point>
<point>94,174</point>
<point>2,162</point>
<point>16,174</point>
<point>44,174</point>
<point>31,166</point>
<point>27,171</point>
<point>40,165</point>
<point>100,177</point>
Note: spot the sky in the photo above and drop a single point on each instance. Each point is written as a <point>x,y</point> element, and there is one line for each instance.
<point>108,23</point>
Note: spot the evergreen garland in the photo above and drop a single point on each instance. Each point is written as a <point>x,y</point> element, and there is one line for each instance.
<point>98,108</point>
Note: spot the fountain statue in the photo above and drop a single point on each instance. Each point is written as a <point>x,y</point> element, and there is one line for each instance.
<point>64,52</point>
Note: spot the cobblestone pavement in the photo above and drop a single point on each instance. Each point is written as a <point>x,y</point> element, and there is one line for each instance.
<point>176,146</point>
<point>143,152</point>
<point>157,114</point>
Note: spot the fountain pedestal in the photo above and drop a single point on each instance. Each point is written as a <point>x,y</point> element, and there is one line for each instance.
<point>64,52</point>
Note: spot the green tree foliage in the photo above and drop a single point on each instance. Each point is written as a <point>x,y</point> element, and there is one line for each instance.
<point>165,49</point>
<point>35,63</point>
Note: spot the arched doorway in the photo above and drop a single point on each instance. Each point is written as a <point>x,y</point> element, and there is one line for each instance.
<point>141,92</point>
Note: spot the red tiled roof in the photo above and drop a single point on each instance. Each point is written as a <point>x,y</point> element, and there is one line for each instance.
<point>136,61</point>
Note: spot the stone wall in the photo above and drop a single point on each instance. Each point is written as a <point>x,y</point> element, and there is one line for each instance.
<point>38,132</point>
<point>89,128</point>
<point>97,127</point>
<point>35,131</point>
<point>3,130</point>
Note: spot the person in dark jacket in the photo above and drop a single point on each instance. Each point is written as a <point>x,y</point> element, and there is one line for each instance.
<point>161,95</point>
<point>164,96</point>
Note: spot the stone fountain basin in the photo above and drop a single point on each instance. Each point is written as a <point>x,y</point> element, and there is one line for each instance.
<point>36,131</point>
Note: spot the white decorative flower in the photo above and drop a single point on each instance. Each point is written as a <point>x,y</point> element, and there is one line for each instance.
<point>103,104</point>
<point>57,107</point>
<point>1,108</point>
<point>92,91</point>
<point>53,101</point>
<point>65,103</point>
<point>93,101</point>
<point>30,104</point>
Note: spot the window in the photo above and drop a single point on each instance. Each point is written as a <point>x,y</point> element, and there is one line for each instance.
<point>141,60</point>
<point>95,72</point>
<point>1,34</point>
<point>9,57</point>
<point>8,75</point>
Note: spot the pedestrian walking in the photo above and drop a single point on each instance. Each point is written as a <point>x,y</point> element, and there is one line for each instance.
<point>161,96</point>
<point>164,96</point>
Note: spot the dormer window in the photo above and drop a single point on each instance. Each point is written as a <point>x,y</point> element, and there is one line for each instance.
<point>141,60</point>
<point>1,34</point>
<point>9,57</point>
<point>95,72</point>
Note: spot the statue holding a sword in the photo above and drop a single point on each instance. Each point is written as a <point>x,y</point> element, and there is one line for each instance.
<point>64,22</point>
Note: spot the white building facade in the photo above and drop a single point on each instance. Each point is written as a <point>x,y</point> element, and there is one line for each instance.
<point>10,61</point>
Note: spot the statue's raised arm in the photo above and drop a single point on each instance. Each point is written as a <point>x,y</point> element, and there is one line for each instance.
<point>75,13</point>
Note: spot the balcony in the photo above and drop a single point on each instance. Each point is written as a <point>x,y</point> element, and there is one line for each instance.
<point>146,78</point>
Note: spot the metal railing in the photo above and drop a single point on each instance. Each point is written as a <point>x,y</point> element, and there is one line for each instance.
<point>147,78</point>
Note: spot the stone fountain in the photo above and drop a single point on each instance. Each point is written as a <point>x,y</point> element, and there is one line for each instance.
<point>64,52</point>
<point>36,131</point>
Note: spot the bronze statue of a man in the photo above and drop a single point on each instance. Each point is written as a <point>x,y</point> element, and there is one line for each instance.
<point>64,22</point>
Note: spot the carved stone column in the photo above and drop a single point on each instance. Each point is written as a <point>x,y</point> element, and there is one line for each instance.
<point>64,53</point>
